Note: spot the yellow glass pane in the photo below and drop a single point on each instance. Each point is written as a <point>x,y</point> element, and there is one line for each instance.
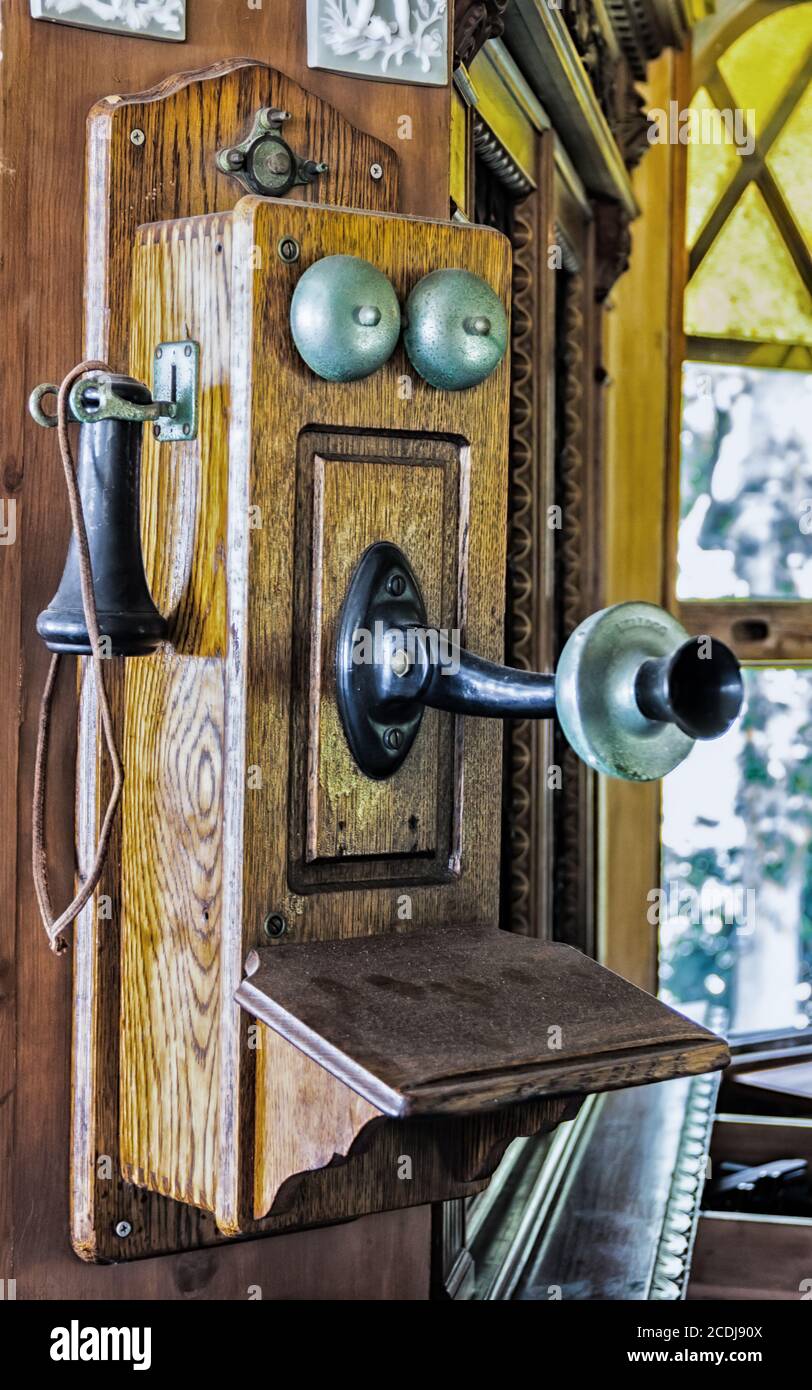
<point>759,67</point>
<point>747,285</point>
<point>790,161</point>
<point>712,162</point>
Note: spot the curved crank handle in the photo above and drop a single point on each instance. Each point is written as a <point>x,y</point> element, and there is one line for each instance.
<point>632,691</point>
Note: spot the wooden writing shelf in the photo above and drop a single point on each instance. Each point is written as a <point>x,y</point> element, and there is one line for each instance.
<point>457,1020</point>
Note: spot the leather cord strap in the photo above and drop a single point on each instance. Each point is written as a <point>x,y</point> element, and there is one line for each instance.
<point>56,926</point>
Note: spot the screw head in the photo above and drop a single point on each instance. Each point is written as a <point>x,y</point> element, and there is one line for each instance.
<point>187,429</point>
<point>289,249</point>
<point>123,1229</point>
<point>401,663</point>
<point>187,351</point>
<point>137,136</point>
<point>393,739</point>
<point>368,315</point>
<point>235,159</point>
<point>156,430</point>
<point>376,172</point>
<point>274,925</point>
<point>395,585</point>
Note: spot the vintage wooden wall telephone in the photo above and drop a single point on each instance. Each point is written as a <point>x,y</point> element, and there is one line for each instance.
<point>293,957</point>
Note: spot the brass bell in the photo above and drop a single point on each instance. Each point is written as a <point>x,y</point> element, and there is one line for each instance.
<point>108,476</point>
<point>345,318</point>
<point>456,329</point>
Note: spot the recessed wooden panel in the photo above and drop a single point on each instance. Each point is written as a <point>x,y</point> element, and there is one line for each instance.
<point>355,489</point>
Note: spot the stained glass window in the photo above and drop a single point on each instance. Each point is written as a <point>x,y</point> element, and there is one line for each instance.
<point>735,907</point>
<point>789,160</point>
<point>749,196</point>
<point>764,64</point>
<point>712,162</point>
<point>747,286</point>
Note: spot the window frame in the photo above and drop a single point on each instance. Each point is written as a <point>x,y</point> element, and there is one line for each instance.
<point>788,622</point>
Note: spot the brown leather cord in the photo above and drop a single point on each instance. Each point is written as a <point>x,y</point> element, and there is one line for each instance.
<point>56,926</point>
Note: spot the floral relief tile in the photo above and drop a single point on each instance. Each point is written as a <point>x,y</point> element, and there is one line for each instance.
<point>391,40</point>
<point>146,19</point>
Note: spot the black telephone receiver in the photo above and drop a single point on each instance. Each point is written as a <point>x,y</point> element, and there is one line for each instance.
<point>112,411</point>
<point>103,607</point>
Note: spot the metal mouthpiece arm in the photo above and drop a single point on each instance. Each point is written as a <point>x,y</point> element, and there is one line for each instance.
<point>632,691</point>
<point>472,685</point>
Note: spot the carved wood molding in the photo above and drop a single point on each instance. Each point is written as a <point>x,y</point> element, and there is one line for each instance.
<point>476,21</point>
<point>645,27</point>
<point>493,154</point>
<point>613,244</point>
<point>570,597</point>
<point>522,540</point>
<point>612,79</point>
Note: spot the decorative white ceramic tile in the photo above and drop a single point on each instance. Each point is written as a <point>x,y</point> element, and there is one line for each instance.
<point>393,40</point>
<point>144,19</point>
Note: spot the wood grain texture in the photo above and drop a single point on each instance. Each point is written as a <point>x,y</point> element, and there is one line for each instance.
<point>171,816</point>
<point>310,1122</point>
<point>757,631</point>
<point>187,1078</point>
<point>184,121</point>
<point>283,398</point>
<point>752,1139</point>
<point>637,403</point>
<point>458,1020</point>
<point>273,399</point>
<point>750,1257</point>
<point>42,289</point>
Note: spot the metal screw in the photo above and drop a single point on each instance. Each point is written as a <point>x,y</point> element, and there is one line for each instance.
<point>187,351</point>
<point>400,663</point>
<point>274,925</point>
<point>235,159</point>
<point>289,249</point>
<point>137,136</point>
<point>393,738</point>
<point>156,430</point>
<point>123,1229</point>
<point>376,171</point>
<point>395,585</point>
<point>187,429</point>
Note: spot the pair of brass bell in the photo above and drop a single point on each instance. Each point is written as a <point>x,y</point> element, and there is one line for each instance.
<point>346,321</point>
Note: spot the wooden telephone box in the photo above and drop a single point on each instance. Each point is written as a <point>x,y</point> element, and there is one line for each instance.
<point>293,1003</point>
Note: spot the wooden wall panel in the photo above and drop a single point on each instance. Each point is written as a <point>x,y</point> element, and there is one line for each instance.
<point>638,422</point>
<point>41,186</point>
